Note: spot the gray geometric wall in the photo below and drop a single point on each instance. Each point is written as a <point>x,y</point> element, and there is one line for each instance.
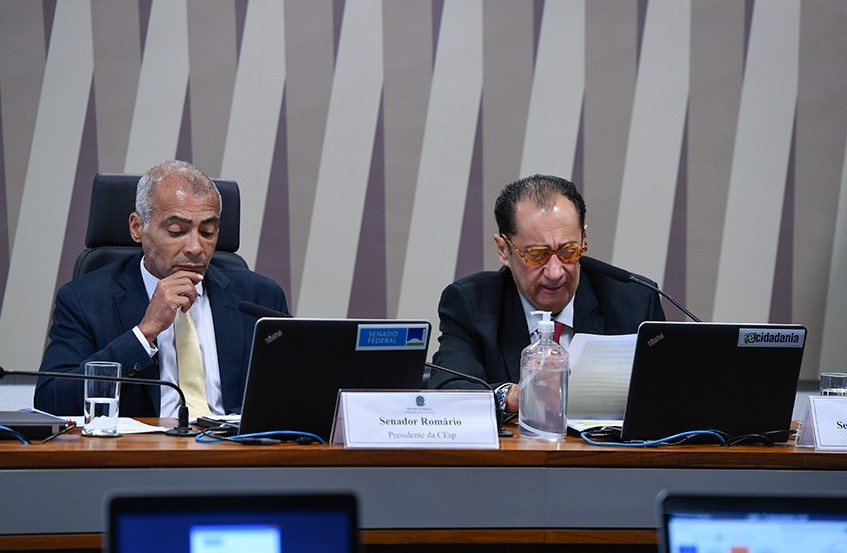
<point>370,138</point>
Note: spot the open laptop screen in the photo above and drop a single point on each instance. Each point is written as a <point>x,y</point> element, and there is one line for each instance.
<point>702,524</point>
<point>740,379</point>
<point>226,523</point>
<point>297,367</point>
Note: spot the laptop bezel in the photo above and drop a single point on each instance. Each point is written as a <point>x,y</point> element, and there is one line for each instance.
<point>119,504</point>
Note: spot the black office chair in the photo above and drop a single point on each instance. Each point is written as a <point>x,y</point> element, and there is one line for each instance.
<point>113,199</point>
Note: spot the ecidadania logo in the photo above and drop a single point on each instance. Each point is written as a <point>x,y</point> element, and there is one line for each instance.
<point>771,338</point>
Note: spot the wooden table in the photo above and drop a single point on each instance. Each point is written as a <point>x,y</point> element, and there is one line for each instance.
<point>525,492</point>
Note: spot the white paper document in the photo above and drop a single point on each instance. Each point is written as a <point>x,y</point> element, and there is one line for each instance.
<point>126,425</point>
<point>600,370</point>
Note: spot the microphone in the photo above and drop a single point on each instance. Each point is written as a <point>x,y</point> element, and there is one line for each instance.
<point>181,429</point>
<point>502,432</point>
<point>621,275</point>
<point>260,311</point>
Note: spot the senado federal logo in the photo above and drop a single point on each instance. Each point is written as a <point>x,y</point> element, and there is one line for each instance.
<point>375,337</point>
<point>771,338</point>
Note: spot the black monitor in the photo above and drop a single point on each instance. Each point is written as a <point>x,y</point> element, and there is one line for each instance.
<point>222,523</point>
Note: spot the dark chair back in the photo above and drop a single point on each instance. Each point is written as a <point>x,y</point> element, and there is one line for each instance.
<point>113,199</point>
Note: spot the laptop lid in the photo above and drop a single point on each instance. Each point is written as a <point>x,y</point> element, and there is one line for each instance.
<point>737,378</point>
<point>297,367</point>
<point>745,524</point>
<point>33,425</point>
<point>221,523</point>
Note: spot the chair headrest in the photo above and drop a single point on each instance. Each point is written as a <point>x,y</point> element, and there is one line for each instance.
<point>113,199</point>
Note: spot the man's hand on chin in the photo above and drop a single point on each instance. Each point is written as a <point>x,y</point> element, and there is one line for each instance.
<point>173,293</point>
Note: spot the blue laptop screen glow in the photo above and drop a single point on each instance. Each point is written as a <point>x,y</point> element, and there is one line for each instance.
<point>222,532</point>
<point>757,532</point>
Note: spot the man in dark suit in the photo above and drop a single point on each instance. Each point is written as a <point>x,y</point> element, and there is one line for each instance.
<point>486,319</point>
<point>125,311</point>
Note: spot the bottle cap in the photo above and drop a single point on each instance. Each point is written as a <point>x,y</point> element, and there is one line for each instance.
<point>545,326</point>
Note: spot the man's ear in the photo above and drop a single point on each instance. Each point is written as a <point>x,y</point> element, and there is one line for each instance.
<point>502,250</point>
<point>136,227</point>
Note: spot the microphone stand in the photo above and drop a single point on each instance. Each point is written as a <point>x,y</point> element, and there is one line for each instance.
<point>624,276</point>
<point>182,428</point>
<point>635,279</point>
<point>260,311</point>
<point>502,432</point>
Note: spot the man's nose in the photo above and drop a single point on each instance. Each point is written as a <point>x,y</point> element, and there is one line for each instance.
<point>554,267</point>
<point>191,245</point>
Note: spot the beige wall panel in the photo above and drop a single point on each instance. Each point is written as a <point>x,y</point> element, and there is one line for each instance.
<point>22,58</point>
<point>36,254</point>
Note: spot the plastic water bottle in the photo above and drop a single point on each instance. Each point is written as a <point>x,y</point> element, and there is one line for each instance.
<point>543,386</point>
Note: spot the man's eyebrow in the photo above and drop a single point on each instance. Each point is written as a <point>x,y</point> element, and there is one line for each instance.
<point>176,219</point>
<point>547,246</point>
<point>215,220</point>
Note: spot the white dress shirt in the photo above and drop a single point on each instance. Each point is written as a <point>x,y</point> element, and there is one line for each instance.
<point>565,316</point>
<point>201,313</point>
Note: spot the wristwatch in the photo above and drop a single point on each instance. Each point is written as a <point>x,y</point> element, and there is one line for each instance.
<point>501,392</point>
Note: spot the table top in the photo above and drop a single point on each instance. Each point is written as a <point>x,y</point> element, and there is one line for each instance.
<point>72,450</point>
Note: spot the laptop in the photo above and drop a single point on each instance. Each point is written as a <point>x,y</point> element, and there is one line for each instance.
<point>32,425</point>
<point>747,524</point>
<point>297,367</point>
<point>218,523</point>
<point>737,378</point>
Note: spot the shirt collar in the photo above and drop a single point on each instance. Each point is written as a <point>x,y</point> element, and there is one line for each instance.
<point>564,316</point>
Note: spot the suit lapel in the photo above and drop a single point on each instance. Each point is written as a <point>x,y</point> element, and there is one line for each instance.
<point>229,330</point>
<point>131,302</point>
<point>130,305</point>
<point>587,317</point>
<point>514,335</point>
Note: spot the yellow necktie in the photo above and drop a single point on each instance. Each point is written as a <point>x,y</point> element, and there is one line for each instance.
<point>189,361</point>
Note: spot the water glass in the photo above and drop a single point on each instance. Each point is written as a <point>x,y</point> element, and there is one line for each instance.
<point>834,384</point>
<point>102,400</point>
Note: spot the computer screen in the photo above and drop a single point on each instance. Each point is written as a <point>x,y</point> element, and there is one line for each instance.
<point>227,524</point>
<point>728,524</point>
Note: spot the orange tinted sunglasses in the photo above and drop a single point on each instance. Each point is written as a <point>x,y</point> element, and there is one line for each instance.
<point>569,252</point>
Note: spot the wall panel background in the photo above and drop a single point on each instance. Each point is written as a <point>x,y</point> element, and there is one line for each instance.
<point>370,137</point>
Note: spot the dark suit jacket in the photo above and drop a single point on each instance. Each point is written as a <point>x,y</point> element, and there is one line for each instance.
<point>483,326</point>
<point>93,320</point>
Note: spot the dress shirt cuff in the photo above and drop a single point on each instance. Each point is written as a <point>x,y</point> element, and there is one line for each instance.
<point>150,348</point>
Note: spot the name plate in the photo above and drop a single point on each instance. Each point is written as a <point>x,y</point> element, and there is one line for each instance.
<point>824,423</point>
<point>415,419</point>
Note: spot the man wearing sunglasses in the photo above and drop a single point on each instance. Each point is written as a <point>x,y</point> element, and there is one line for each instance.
<point>486,318</point>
